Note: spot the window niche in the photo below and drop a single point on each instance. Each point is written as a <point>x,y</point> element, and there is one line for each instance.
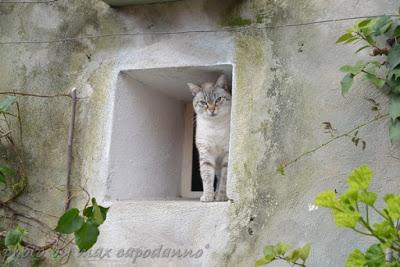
<point>152,151</point>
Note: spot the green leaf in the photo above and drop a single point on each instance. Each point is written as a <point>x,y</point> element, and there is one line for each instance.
<point>293,256</point>
<point>326,199</point>
<point>356,259</point>
<point>394,131</point>
<point>378,82</point>
<point>385,229</point>
<point>97,214</point>
<point>14,236</point>
<point>281,248</point>
<point>69,222</point>
<point>6,103</point>
<point>269,252</point>
<point>396,32</point>
<point>360,177</point>
<point>263,261</point>
<point>394,106</point>
<point>362,48</point>
<point>393,206</point>
<point>346,218</point>
<point>363,23</point>
<point>375,256</point>
<point>305,252</point>
<point>368,198</point>
<point>346,83</point>
<point>394,56</point>
<point>382,25</point>
<point>394,73</point>
<point>345,37</point>
<point>354,69</point>
<point>86,236</point>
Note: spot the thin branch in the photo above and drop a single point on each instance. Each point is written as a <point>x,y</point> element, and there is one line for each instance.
<point>34,95</point>
<point>377,118</point>
<point>294,263</point>
<point>16,213</point>
<point>70,152</point>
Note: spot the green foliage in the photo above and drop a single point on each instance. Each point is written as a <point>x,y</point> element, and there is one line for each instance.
<point>352,209</point>
<point>85,228</point>
<point>382,74</point>
<point>280,251</point>
<point>346,210</point>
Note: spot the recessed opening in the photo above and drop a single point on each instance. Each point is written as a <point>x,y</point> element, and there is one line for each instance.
<point>152,153</point>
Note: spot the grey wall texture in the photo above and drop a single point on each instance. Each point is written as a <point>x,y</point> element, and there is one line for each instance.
<point>286,83</point>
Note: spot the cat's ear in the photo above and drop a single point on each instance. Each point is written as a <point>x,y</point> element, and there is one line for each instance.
<point>194,88</point>
<point>222,82</point>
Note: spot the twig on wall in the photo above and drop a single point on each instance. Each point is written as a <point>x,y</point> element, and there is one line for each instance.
<point>33,95</point>
<point>69,149</point>
<point>346,134</point>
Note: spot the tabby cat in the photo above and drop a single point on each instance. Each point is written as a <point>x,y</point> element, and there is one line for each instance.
<point>212,104</point>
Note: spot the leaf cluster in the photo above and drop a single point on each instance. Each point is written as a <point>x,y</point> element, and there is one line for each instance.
<point>85,228</point>
<point>281,251</point>
<point>384,73</point>
<point>352,210</point>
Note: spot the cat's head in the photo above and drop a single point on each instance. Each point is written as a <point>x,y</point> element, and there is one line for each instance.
<point>211,99</point>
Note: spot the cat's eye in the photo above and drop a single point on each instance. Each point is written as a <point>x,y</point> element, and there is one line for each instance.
<point>219,99</point>
<point>203,103</point>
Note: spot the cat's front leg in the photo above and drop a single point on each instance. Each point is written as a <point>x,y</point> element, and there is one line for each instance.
<point>221,191</point>
<point>207,171</point>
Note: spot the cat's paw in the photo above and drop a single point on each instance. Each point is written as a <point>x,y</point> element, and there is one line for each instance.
<point>221,197</point>
<point>207,198</point>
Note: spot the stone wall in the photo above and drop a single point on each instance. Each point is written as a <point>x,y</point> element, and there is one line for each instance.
<point>286,83</point>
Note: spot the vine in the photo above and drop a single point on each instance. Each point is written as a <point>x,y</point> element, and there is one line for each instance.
<point>84,224</point>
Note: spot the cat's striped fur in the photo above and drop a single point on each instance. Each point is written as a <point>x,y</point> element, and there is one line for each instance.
<point>212,104</point>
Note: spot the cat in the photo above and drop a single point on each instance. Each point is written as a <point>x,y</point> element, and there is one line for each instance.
<point>212,104</point>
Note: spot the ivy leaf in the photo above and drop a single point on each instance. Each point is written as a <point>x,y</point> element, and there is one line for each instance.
<point>6,103</point>
<point>394,106</point>
<point>375,256</point>
<point>69,222</point>
<point>263,261</point>
<point>378,82</point>
<point>326,199</point>
<point>305,252</point>
<point>385,229</point>
<point>293,256</point>
<point>382,25</point>
<point>345,37</point>
<point>394,74</point>
<point>280,248</point>
<point>354,69</point>
<point>394,56</point>
<point>97,214</point>
<point>394,131</point>
<point>346,219</point>
<point>396,32</point>
<point>368,198</point>
<point>86,236</point>
<point>360,177</point>
<point>14,236</point>
<point>269,252</point>
<point>393,206</point>
<point>356,259</point>
<point>346,83</point>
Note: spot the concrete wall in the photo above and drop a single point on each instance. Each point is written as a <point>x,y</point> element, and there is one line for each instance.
<point>286,82</point>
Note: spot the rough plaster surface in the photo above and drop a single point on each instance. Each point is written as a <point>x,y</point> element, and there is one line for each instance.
<point>286,82</point>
